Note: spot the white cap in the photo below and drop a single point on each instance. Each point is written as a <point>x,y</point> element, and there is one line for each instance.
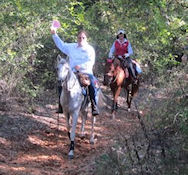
<point>121,31</point>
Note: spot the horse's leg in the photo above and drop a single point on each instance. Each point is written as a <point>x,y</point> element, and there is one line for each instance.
<point>129,103</point>
<point>114,106</point>
<point>72,134</point>
<point>116,94</point>
<point>92,140</point>
<point>68,124</point>
<point>128,99</point>
<point>134,90</point>
<point>130,94</point>
<point>84,118</point>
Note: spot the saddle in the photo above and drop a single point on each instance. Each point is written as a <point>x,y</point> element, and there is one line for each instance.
<point>84,79</point>
<point>120,62</point>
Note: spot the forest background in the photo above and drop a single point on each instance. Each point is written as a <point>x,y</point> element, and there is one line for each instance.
<point>157,30</point>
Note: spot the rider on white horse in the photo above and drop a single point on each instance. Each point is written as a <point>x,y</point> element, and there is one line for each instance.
<point>81,59</point>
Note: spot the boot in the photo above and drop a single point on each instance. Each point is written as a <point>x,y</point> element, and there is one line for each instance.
<point>95,110</point>
<point>92,95</point>
<point>133,76</point>
<point>60,109</point>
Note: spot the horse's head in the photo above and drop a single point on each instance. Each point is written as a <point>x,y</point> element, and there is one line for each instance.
<point>108,72</point>
<point>62,68</point>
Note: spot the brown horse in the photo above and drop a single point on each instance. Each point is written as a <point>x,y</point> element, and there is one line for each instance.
<point>118,77</point>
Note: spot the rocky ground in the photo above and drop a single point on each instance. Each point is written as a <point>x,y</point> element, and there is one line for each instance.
<point>37,143</point>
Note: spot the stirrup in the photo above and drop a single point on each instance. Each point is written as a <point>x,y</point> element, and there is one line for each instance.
<point>95,111</point>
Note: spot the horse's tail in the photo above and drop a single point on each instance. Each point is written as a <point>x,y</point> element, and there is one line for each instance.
<point>102,101</point>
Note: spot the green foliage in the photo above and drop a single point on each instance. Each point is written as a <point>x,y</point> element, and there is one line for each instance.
<point>165,124</point>
<point>169,113</point>
<point>111,163</point>
<point>156,30</point>
<point>27,50</point>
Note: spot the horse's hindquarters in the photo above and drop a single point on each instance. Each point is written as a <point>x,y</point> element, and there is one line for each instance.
<point>107,80</point>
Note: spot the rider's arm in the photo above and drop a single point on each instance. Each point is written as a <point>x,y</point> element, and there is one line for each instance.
<point>61,45</point>
<point>112,50</point>
<point>130,51</point>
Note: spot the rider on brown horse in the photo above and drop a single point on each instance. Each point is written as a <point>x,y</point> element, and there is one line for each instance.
<point>122,50</point>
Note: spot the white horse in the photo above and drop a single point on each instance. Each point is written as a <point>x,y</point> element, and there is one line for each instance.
<point>72,101</point>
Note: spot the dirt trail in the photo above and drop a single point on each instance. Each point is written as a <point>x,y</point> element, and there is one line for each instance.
<point>34,144</point>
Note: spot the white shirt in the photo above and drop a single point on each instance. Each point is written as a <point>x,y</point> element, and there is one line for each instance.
<point>81,56</point>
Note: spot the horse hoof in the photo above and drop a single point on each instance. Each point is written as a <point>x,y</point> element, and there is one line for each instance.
<point>70,157</point>
<point>129,109</point>
<point>71,154</point>
<point>113,116</point>
<point>82,136</point>
<point>92,141</point>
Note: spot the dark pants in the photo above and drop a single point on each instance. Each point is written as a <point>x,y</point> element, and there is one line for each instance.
<point>93,94</point>
<point>93,89</point>
<point>128,63</point>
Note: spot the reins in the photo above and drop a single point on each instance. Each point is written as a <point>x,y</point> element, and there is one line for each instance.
<point>114,76</point>
<point>75,78</point>
<point>67,78</point>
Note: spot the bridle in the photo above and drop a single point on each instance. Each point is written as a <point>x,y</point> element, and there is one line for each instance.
<point>113,77</point>
<point>66,79</point>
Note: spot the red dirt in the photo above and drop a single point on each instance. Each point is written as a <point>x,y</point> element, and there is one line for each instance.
<point>34,144</point>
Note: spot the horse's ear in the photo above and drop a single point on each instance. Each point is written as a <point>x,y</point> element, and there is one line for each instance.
<point>58,58</point>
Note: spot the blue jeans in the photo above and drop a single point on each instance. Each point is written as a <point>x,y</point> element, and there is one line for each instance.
<point>93,90</point>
